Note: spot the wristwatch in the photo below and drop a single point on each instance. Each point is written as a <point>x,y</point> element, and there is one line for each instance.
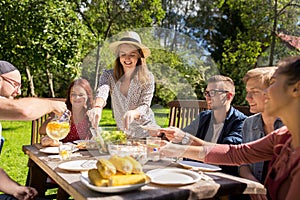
<point>185,139</point>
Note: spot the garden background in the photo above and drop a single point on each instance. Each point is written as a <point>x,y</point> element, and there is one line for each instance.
<point>55,41</point>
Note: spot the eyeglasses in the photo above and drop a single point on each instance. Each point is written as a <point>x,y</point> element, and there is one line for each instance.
<point>13,82</point>
<point>213,93</point>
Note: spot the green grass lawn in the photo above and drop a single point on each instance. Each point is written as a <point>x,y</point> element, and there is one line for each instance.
<point>17,133</point>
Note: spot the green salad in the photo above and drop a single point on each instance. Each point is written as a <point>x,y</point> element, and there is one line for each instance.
<point>114,136</point>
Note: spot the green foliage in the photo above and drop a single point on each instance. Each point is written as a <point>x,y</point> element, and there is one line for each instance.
<point>238,33</point>
<point>249,47</point>
<point>12,158</point>
<point>174,77</point>
<point>39,36</point>
<point>239,56</point>
<point>50,39</point>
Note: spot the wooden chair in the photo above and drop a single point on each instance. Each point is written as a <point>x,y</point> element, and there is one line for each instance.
<point>183,112</point>
<point>35,125</point>
<point>35,139</point>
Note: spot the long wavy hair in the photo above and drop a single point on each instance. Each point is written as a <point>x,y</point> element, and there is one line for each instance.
<point>87,87</point>
<point>141,68</point>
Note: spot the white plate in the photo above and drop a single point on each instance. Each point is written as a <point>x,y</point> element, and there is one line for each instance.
<point>173,176</point>
<point>78,141</point>
<point>114,189</point>
<point>50,150</point>
<point>198,166</point>
<point>78,165</point>
<point>53,150</point>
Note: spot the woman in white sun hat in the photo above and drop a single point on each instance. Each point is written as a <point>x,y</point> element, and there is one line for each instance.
<point>130,84</point>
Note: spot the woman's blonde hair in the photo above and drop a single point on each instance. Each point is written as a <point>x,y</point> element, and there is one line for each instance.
<point>141,68</point>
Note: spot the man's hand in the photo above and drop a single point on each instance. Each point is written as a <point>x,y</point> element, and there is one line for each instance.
<point>94,116</point>
<point>173,134</point>
<point>24,193</point>
<point>58,107</point>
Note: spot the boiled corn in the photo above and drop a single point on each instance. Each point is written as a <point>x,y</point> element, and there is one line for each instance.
<point>105,168</point>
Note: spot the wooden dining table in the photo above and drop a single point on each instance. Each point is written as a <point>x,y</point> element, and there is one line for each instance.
<point>211,184</point>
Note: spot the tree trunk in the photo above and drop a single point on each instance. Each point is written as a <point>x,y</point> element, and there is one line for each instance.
<point>273,36</point>
<point>50,82</point>
<point>97,66</point>
<point>31,84</point>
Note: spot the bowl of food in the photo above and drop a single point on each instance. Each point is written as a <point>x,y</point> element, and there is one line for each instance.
<point>106,135</point>
<point>112,134</point>
<point>134,148</point>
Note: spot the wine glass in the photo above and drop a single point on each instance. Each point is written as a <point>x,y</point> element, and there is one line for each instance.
<point>58,128</point>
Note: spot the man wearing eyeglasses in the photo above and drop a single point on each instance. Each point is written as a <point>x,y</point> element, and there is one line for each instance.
<point>21,109</point>
<point>10,80</point>
<point>221,124</point>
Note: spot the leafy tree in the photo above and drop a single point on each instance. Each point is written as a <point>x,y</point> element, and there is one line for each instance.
<point>237,33</point>
<point>44,39</point>
<point>257,40</point>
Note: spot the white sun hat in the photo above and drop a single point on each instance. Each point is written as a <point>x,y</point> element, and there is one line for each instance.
<point>130,37</point>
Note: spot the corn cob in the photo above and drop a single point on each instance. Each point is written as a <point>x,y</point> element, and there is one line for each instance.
<point>96,178</point>
<point>136,166</point>
<point>105,168</point>
<point>122,165</point>
<point>118,180</point>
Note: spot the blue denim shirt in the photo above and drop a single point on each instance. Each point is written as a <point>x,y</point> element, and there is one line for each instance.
<point>230,134</point>
<point>231,131</point>
<point>253,129</point>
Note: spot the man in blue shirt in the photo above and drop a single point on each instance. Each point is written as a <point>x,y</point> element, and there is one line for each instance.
<point>221,124</point>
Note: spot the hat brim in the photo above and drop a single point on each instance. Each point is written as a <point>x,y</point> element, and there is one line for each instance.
<point>114,47</point>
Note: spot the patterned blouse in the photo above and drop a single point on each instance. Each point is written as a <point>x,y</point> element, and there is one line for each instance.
<point>139,98</point>
<point>79,131</point>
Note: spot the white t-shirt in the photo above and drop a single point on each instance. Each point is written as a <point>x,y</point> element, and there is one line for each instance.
<point>217,131</point>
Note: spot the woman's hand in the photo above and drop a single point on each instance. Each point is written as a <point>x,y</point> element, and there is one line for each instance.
<point>128,118</point>
<point>173,134</point>
<point>169,149</point>
<point>94,115</point>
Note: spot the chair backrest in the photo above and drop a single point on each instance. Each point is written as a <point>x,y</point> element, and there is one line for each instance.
<point>183,112</point>
<point>36,124</point>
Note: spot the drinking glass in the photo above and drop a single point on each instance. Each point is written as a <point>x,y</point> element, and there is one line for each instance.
<point>65,151</point>
<point>153,144</point>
